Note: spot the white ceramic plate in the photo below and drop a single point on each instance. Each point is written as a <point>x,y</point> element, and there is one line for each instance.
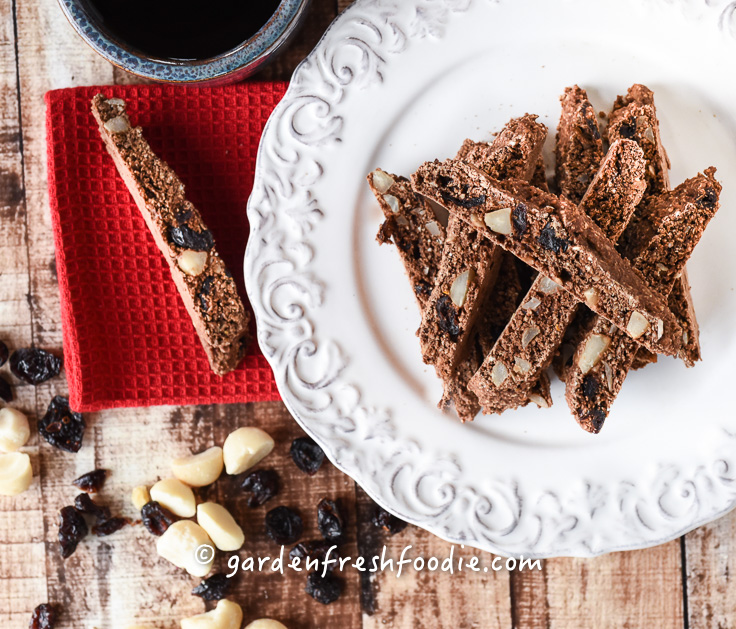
<point>393,84</point>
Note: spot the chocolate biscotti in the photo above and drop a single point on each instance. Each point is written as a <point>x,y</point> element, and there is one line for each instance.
<point>531,338</point>
<point>205,285</point>
<point>605,355</point>
<point>411,225</point>
<point>558,240</point>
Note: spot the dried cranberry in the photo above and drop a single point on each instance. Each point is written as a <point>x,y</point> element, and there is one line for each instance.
<point>156,518</point>
<point>388,521</point>
<point>263,485</point>
<point>92,481</point>
<point>72,528</point>
<point>84,504</point>
<point>6,393</point>
<point>61,427</point>
<point>447,317</point>
<point>315,550</point>
<point>44,617</point>
<point>213,588</point>
<point>3,353</point>
<point>590,387</point>
<point>627,130</point>
<point>468,203</point>
<point>109,526</point>
<point>324,589</point>
<point>307,455</point>
<point>34,365</point>
<point>519,219</point>
<point>330,521</point>
<point>549,240</point>
<point>185,236</point>
<point>283,525</point>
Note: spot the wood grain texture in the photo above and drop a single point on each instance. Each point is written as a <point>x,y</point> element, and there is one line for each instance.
<point>112,582</point>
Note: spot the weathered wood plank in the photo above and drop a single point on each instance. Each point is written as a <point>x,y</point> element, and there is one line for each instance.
<point>620,590</point>
<point>710,567</point>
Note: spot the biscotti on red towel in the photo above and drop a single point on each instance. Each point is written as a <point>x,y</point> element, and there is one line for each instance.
<point>128,340</point>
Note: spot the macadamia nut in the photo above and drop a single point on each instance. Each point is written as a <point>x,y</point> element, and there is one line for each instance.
<point>175,496</point>
<point>227,615</point>
<point>265,623</point>
<point>15,473</point>
<point>220,526</point>
<point>140,496</point>
<point>244,448</point>
<point>200,469</point>
<point>187,545</point>
<point>14,429</point>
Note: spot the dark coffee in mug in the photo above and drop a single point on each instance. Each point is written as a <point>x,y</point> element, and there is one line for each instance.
<point>182,29</point>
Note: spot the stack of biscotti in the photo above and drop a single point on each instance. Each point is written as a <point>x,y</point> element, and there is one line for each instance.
<point>206,286</point>
<point>606,249</point>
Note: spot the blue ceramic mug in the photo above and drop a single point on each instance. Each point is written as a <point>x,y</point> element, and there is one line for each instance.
<point>232,65</point>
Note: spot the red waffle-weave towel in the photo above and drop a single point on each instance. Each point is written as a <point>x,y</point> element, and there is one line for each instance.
<point>128,340</point>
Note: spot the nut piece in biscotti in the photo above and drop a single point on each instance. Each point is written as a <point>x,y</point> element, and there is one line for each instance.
<point>606,353</point>
<point>579,148</point>
<point>635,116</point>
<point>531,338</point>
<point>557,239</point>
<point>205,285</point>
<point>411,225</point>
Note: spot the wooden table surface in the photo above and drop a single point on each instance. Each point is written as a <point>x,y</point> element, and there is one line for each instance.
<point>112,582</point>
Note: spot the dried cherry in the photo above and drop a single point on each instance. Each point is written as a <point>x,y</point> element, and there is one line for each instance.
<point>84,504</point>
<point>596,418</point>
<point>314,550</point>
<point>44,617</point>
<point>91,482</point>
<point>627,130</point>
<point>388,521</point>
<point>283,525</point>
<point>262,485</point>
<point>423,288</point>
<point>204,292</point>
<point>447,317</point>
<point>185,236</point>
<point>213,588</point>
<point>62,427</point>
<point>549,240</point>
<point>519,219</point>
<point>34,365</point>
<point>590,387</point>
<point>709,199</point>
<point>330,521</point>
<point>156,518</point>
<point>468,203</point>
<point>307,455</point>
<point>72,528</point>
<point>6,392</point>
<point>109,526</point>
<point>324,589</point>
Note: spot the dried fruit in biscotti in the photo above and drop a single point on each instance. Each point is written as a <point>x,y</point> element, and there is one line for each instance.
<point>315,552</point>
<point>34,365</point>
<point>84,504</point>
<point>262,486</point>
<point>72,529</point>
<point>324,589</point>
<point>109,526</point>
<point>387,521</point>
<point>307,455</point>
<point>62,427</point>
<point>44,617</point>
<point>91,482</point>
<point>283,525</point>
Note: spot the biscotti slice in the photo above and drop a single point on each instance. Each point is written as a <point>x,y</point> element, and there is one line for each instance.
<point>470,263</point>
<point>579,148</point>
<point>205,285</point>
<point>411,225</point>
<point>635,116</point>
<point>531,338</point>
<point>558,240</point>
<point>605,355</point>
